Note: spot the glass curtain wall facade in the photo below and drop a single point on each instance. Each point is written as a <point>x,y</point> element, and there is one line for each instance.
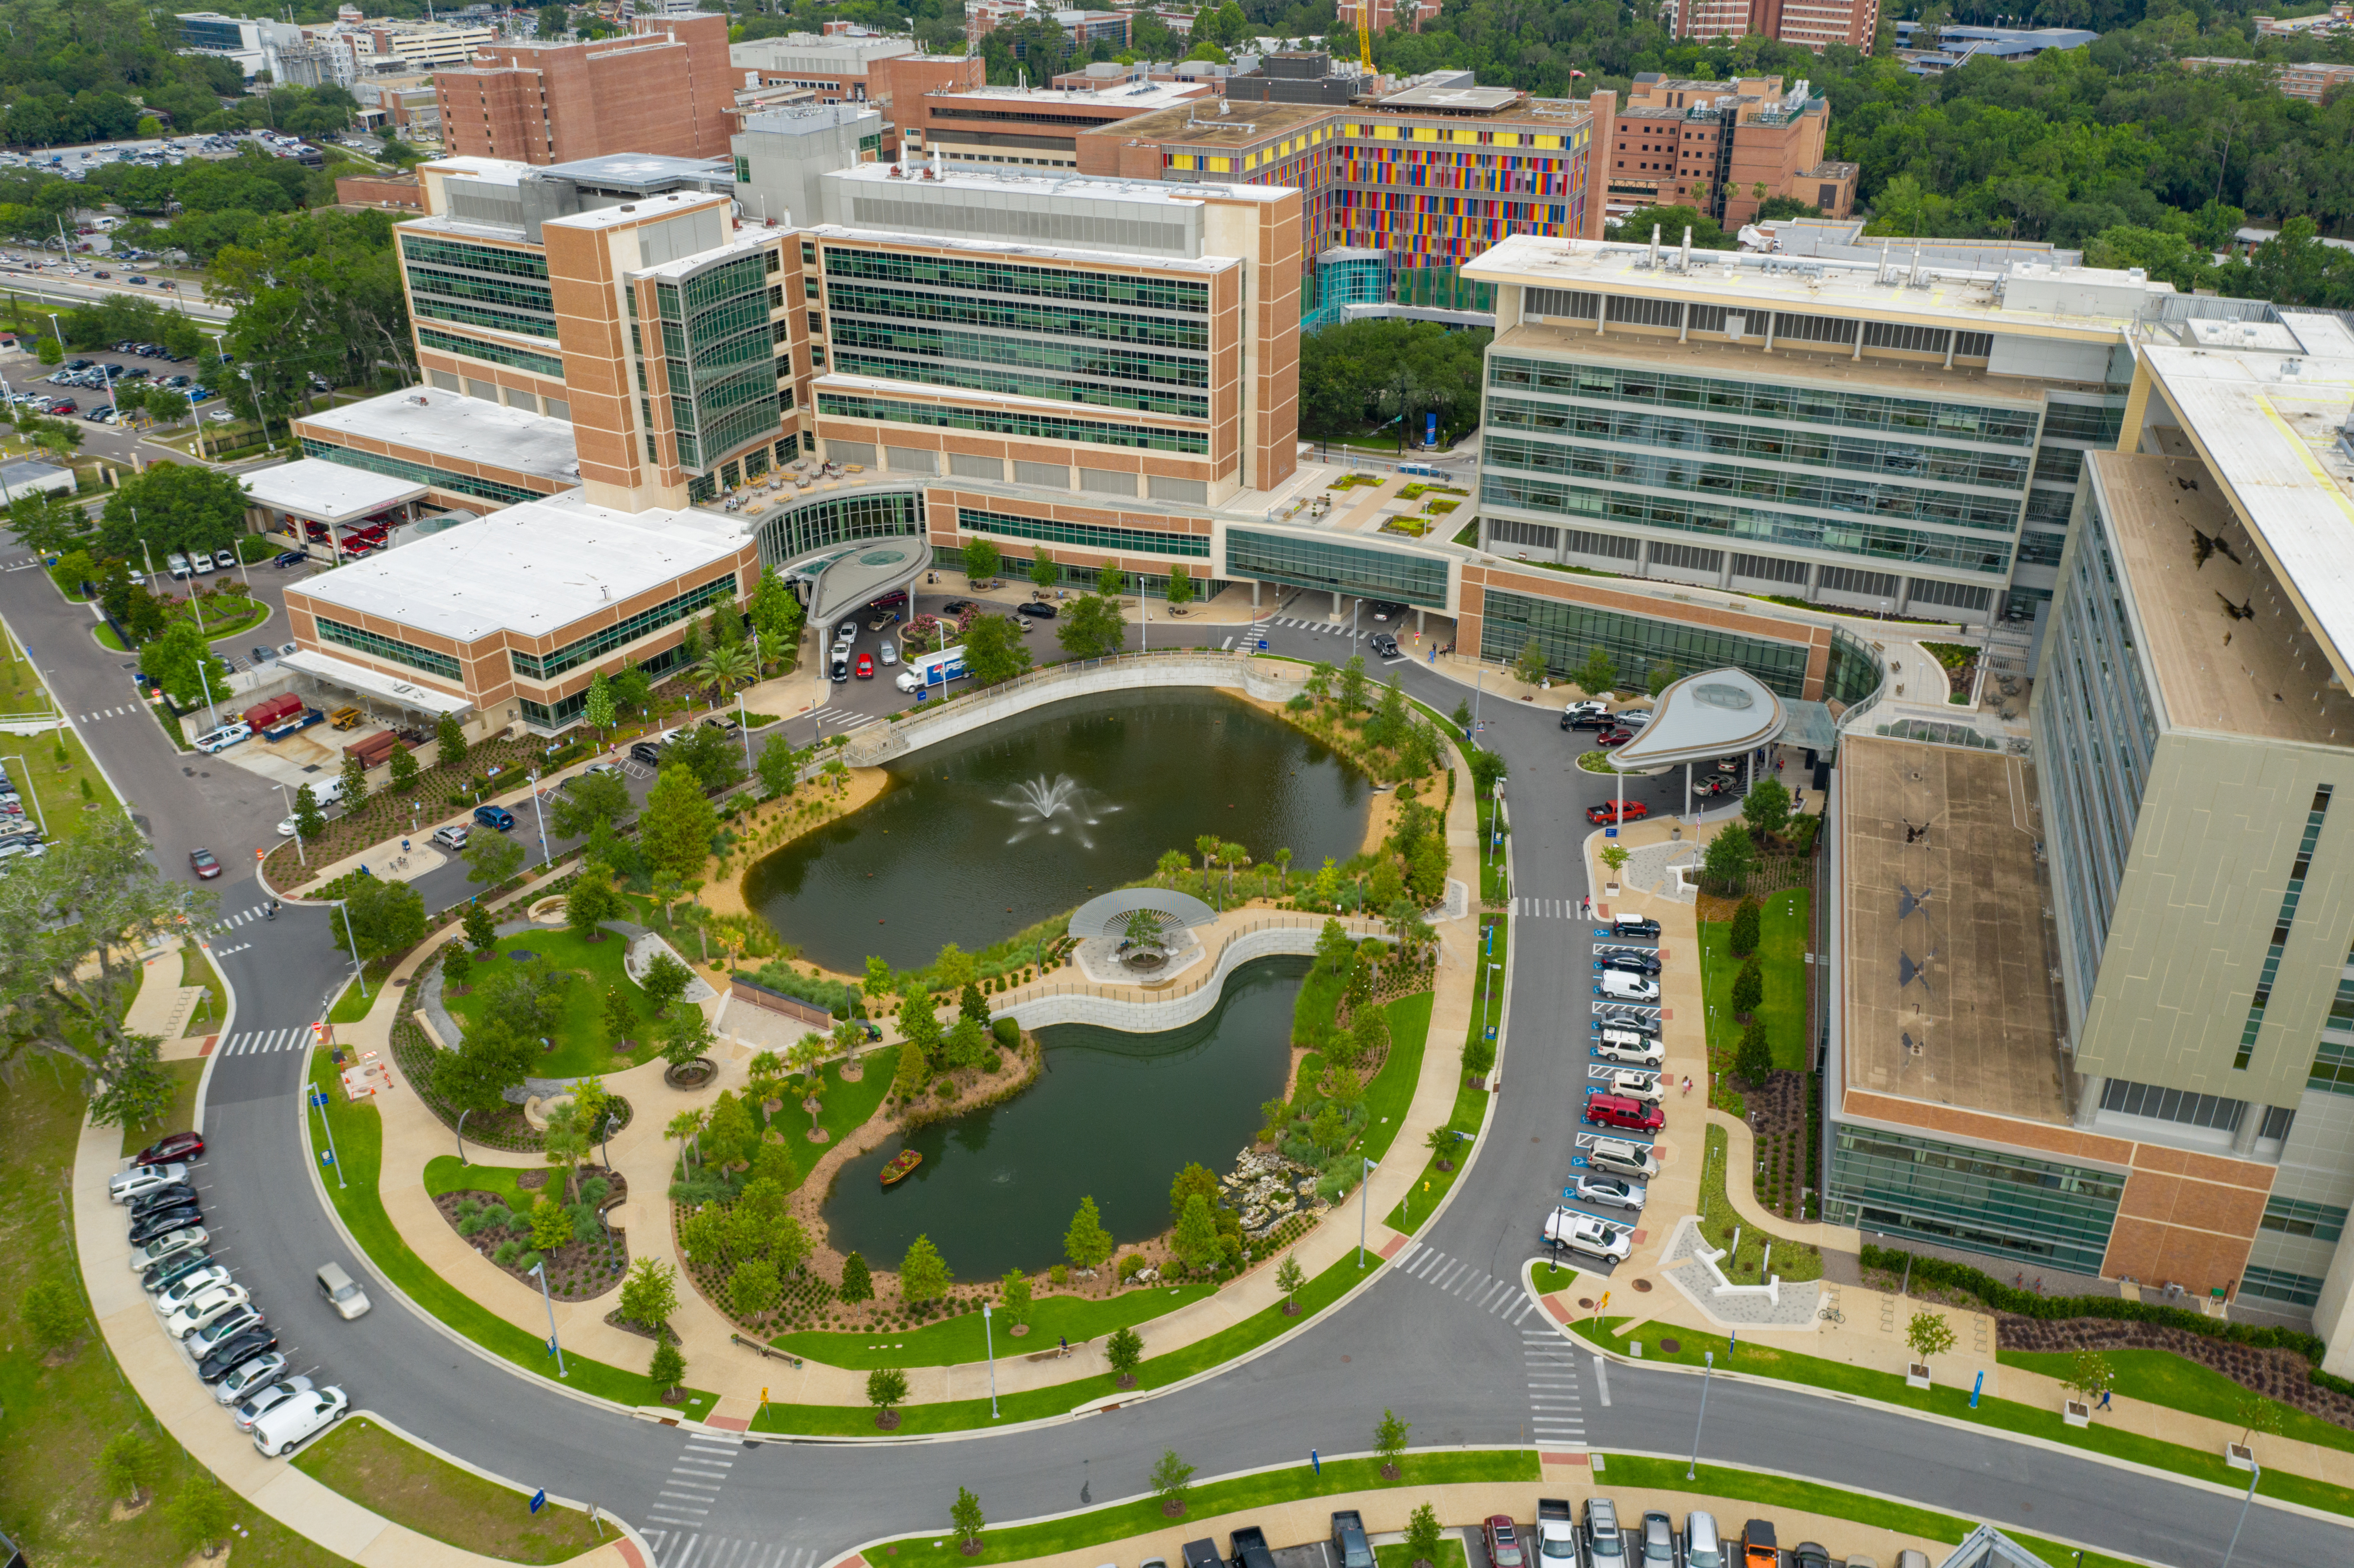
<point>1568,632</point>
<point>840,520</point>
<point>478,285</point>
<point>2096,730</point>
<point>1369,570</point>
<point>1921,483</point>
<point>1985,1200</point>
<point>717,345</point>
<point>421,473</point>
<point>1105,340</point>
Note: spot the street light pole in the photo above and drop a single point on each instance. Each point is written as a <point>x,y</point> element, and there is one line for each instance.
<point>319,1098</point>
<point>305,861</point>
<point>539,813</point>
<point>1694,1468</point>
<point>540,1270</point>
<point>2255,1473</point>
<point>461,1135</point>
<point>345,905</point>
<point>989,1340</point>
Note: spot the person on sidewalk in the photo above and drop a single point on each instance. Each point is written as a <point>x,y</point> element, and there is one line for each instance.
<point>1066,1344</point>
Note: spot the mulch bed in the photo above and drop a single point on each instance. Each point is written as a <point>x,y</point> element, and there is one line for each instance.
<point>581,1269</point>
<point>2279,1374</point>
<point>1778,1118</point>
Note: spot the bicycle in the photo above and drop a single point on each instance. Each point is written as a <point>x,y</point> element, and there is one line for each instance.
<point>1833,1315</point>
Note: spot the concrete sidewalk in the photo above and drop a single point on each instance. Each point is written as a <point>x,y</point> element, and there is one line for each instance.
<point>413,1136</point>
<point>186,1409</point>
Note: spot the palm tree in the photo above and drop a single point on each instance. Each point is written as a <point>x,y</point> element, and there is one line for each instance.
<point>1283,868</point>
<point>850,1036</point>
<point>725,668</point>
<point>1235,857</point>
<point>683,1127</point>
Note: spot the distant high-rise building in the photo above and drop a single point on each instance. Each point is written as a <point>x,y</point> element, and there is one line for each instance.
<point>1723,147</point>
<point>664,89</point>
<point>1814,23</point>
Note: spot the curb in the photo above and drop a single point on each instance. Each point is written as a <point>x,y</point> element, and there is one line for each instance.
<point>621,1526</point>
<point>2024,1439</point>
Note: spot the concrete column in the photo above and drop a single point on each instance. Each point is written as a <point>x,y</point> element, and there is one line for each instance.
<point>1254,593</point>
<point>1643,558</point>
<point>1336,604</point>
<point>1417,620</point>
<point>2088,1099</point>
<point>2252,1121</point>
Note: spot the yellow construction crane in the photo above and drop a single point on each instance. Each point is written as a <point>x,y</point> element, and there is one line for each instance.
<point>1365,35</point>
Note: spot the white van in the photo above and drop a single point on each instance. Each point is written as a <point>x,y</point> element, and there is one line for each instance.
<point>285,1428</point>
<point>1619,986</point>
<point>327,792</point>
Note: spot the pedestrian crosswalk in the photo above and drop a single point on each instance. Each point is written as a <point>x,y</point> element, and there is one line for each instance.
<point>1503,1297</point>
<point>690,1549</point>
<point>264,1042</point>
<point>1335,629</point>
<point>1549,909</point>
<point>95,715</point>
<point>684,1499</point>
<point>840,719</point>
<point>231,922</point>
<point>1556,1405</point>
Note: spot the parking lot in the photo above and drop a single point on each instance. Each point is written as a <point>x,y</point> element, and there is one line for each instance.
<point>85,385</point>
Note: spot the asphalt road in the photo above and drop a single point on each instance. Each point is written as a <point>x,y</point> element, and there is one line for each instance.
<point>1438,1337</point>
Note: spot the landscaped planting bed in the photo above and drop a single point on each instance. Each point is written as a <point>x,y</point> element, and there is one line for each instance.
<point>581,1269</point>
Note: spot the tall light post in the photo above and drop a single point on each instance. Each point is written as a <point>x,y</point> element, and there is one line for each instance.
<point>345,904</point>
<point>319,1103</point>
<point>1365,1202</point>
<point>541,814</point>
<point>2256,1473</point>
<point>461,1135</point>
<point>1692,1469</point>
<point>1487,1021</point>
<point>305,861</point>
<point>539,1271</point>
<point>989,1341</point>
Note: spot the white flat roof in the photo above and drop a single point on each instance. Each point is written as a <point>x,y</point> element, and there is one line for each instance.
<point>1714,714</point>
<point>2267,426</point>
<point>533,568</point>
<point>328,491</point>
<point>360,677</point>
<point>453,425</point>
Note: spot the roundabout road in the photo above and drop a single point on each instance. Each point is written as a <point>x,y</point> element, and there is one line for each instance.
<point>1451,1356</point>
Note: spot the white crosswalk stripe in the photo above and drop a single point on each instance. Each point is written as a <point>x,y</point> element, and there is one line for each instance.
<point>258,1043</point>
<point>1548,909</point>
<point>841,718</point>
<point>1556,1403</point>
<point>689,1548</point>
<point>1502,1297</point>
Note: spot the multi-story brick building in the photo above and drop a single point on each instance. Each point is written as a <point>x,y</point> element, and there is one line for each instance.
<point>1033,127</point>
<point>665,89</point>
<point>2312,80</point>
<point>1813,24</point>
<point>1723,147</point>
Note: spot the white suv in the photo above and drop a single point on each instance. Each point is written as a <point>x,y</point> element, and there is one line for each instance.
<point>1583,1232</point>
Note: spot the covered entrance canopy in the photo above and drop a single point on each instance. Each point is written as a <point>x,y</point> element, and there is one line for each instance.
<point>1716,713</point>
<point>856,578</point>
<point>334,493</point>
<point>375,683</point>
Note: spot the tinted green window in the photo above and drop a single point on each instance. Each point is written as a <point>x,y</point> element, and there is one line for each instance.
<point>389,647</point>
<point>1009,278</point>
<point>546,364</point>
<point>440,479</point>
<point>1343,568</point>
<point>420,251</point>
<point>669,612</point>
<point>1000,422</point>
<point>1567,631</point>
<point>1086,533</point>
<point>1976,1200</point>
<point>1812,406</point>
<point>795,532</point>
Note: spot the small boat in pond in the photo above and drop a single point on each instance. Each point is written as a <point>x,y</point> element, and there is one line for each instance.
<point>901,1165</point>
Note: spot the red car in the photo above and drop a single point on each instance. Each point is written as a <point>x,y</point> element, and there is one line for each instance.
<point>204,864</point>
<point>866,670</point>
<point>1615,1110</point>
<point>1503,1542</point>
<point>178,1145</point>
<point>1607,813</point>
<point>1614,738</point>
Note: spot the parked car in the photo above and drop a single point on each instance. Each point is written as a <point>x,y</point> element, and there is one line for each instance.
<point>1635,926</point>
<point>172,1270</point>
<point>163,1211</point>
<point>1384,646</point>
<point>176,1146</point>
<point>1616,987</point>
<point>1036,610</point>
<point>1584,710</point>
<point>958,607</point>
<point>204,863</point>
<point>497,817</point>
<point>188,1287</point>
<point>450,836</point>
<point>1629,1047</point>
<point>1582,1232</point>
<point>889,654</point>
<point>221,739</point>
<point>646,751</point>
<point>1619,736</point>
<point>1659,1541</point>
<point>170,1244</point>
<point>1629,1084</point>
<point>1809,1555</point>
<point>288,558</point>
<point>1631,1116</point>
<point>866,668</point>
<point>1611,1191</point>
<point>342,1293</point>
<point>837,672</point>
<point>1503,1541</point>
<point>281,1431</point>
<point>1620,1157</point>
<point>207,1308</point>
<point>247,1376</point>
<point>267,1398</point>
<point>1758,1547</point>
<point>1704,1546</point>
<point>1630,963</point>
<point>223,1329</point>
<point>1612,812</point>
<point>225,1357</point>
<point>140,1180</point>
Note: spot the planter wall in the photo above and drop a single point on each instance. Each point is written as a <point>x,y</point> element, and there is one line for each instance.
<point>1916,1375</point>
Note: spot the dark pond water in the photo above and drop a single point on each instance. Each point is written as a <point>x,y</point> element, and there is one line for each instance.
<point>975,839</point>
<point>1114,1117</point>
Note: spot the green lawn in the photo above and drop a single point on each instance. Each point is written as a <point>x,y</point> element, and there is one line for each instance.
<point>2177,1383</point>
<point>59,796</point>
<point>1794,1261</point>
<point>847,1106</point>
<point>2003,1415</point>
<point>1785,924</point>
<point>435,1497</point>
<point>1470,1107</point>
<point>959,1338</point>
<point>1390,1093</point>
<point>195,969</point>
<point>351,1005</point>
<point>1142,1515</point>
<point>360,1139</point>
<point>581,1045</point>
<point>1779,1492</point>
<point>58,1417</point>
<point>1396,1554</point>
<point>444,1173</point>
<point>181,1116</point>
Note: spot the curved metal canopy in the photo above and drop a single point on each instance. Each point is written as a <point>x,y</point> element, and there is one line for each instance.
<point>1106,916</point>
<point>859,576</point>
<point>1713,713</point>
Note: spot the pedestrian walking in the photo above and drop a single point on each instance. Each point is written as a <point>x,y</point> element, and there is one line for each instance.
<point>1066,1344</point>
<point>2104,1399</point>
<point>1688,1086</point>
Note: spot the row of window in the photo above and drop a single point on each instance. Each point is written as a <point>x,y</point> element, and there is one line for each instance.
<point>417,249</point>
<point>518,322</point>
<point>1568,631</point>
<point>2297,1217</point>
<point>2180,1106</point>
<point>2290,897</point>
<point>1786,529</point>
<point>1907,502</point>
<point>1001,422</point>
<point>1090,536</point>
<point>1985,1200</point>
<point>420,473</point>
<point>1767,443</point>
<point>1342,568</point>
<point>813,526</point>
<point>1806,405</point>
<point>377,646</point>
<point>669,612</point>
<point>981,348</point>
<point>889,367</point>
<point>1722,321</point>
<point>508,292</point>
<point>546,364</point>
<point>1057,321</point>
<point>1183,294</point>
